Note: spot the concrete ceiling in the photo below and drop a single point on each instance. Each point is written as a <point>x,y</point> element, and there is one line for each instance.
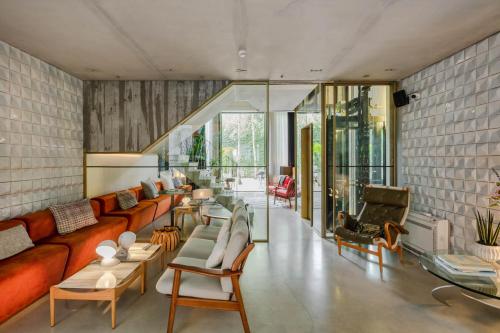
<point>284,39</point>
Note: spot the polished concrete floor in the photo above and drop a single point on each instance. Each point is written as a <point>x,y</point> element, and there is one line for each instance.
<point>296,283</point>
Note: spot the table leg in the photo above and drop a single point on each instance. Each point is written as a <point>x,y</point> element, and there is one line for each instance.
<point>52,308</point>
<point>143,278</point>
<point>113,312</point>
<point>434,291</point>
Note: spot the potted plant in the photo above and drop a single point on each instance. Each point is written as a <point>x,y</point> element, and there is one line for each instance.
<point>487,247</point>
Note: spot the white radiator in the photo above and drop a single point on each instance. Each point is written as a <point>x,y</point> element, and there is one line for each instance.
<point>427,233</point>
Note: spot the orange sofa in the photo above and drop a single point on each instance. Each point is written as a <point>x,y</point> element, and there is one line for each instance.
<point>29,275</point>
<point>81,243</point>
<point>145,212</point>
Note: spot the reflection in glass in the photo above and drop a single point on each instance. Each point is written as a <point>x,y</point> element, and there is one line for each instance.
<point>358,125</point>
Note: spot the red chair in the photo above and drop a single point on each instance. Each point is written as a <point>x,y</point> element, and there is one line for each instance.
<point>284,191</point>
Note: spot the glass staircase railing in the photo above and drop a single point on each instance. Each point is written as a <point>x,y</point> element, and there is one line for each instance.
<point>222,146</point>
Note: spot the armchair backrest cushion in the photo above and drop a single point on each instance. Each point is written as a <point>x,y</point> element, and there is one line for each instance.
<point>386,196</point>
<point>384,204</point>
<point>237,242</point>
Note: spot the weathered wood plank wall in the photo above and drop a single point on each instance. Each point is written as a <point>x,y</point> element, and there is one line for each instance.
<point>126,116</point>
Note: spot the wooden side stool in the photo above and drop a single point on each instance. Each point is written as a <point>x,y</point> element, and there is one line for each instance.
<point>182,211</point>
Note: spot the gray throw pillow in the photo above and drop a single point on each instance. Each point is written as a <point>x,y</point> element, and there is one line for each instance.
<point>150,189</point>
<point>13,241</point>
<point>126,199</point>
<point>177,182</point>
<point>73,216</point>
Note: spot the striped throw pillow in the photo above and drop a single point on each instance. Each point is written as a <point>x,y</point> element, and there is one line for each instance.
<point>73,216</point>
<point>126,199</point>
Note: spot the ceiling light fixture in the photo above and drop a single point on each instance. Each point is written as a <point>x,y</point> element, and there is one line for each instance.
<point>389,69</point>
<point>239,70</point>
<point>366,75</point>
<point>316,70</point>
<point>242,53</point>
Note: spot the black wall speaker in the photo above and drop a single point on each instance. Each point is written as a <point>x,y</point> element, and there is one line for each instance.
<point>400,98</point>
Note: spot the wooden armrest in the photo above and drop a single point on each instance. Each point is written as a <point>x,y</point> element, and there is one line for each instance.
<point>204,271</point>
<point>396,227</point>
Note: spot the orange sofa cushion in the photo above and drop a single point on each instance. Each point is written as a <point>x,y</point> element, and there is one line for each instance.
<point>96,207</point>
<point>83,242</point>
<point>138,216</point>
<point>162,204</point>
<point>40,224</point>
<point>28,276</point>
<point>108,202</point>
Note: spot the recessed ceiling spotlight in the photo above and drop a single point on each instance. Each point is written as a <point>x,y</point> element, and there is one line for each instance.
<point>118,77</point>
<point>91,70</point>
<point>316,70</point>
<point>282,76</point>
<point>366,75</point>
<point>239,70</point>
<point>170,69</point>
<point>242,53</point>
<point>390,69</point>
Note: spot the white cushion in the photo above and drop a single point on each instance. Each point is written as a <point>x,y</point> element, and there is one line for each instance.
<point>236,244</point>
<point>222,230</point>
<point>209,232</point>
<point>166,180</point>
<point>217,254</point>
<point>13,241</point>
<point>197,248</point>
<point>192,285</point>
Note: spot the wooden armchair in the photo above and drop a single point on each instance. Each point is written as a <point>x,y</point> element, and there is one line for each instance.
<point>191,284</point>
<point>235,302</point>
<point>380,222</point>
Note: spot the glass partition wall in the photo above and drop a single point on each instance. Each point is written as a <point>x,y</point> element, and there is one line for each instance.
<point>223,146</point>
<point>359,145</point>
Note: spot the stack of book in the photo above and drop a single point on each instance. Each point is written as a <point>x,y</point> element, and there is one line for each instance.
<point>465,265</point>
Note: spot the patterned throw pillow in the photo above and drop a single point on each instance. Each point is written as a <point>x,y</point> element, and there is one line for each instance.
<point>13,241</point>
<point>150,189</point>
<point>126,199</point>
<point>73,216</point>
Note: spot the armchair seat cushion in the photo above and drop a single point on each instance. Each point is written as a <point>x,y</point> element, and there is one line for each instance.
<point>206,232</point>
<point>197,248</point>
<point>355,237</point>
<point>192,285</point>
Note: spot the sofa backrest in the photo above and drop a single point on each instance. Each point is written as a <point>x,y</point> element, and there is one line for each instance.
<point>107,202</point>
<point>4,225</point>
<point>41,224</point>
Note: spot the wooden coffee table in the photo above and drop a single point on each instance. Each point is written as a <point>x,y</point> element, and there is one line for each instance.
<point>97,283</point>
<point>145,253</point>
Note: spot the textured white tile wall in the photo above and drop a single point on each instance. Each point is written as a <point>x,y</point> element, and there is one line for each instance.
<point>41,134</point>
<point>450,137</point>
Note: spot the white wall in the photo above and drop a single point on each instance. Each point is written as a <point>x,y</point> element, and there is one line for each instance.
<point>107,173</point>
<point>41,140</point>
<point>450,137</point>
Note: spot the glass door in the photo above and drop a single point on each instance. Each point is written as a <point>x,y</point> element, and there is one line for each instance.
<point>359,145</point>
